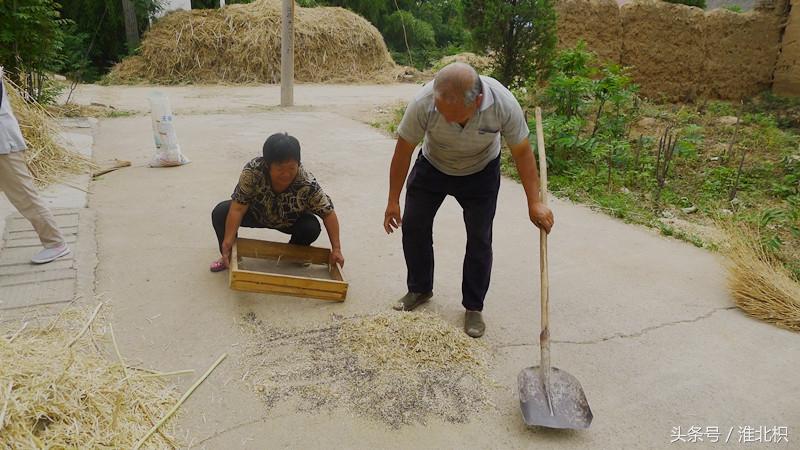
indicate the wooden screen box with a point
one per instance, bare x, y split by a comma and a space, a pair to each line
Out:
327, 285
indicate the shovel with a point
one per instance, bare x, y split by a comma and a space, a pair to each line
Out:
548, 396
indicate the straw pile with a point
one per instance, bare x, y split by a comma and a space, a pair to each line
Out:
48, 161
53, 395
482, 64
761, 286
406, 342
241, 44
398, 369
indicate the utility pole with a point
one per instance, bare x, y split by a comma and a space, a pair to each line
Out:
287, 53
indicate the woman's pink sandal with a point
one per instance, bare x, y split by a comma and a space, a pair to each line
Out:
217, 266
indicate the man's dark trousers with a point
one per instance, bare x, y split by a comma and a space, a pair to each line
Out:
426, 189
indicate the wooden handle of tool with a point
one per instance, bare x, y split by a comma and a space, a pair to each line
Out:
544, 337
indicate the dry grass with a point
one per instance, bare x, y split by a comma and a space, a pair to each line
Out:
53, 395
241, 44
397, 369
48, 160
761, 286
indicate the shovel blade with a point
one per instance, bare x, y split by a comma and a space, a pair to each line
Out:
570, 409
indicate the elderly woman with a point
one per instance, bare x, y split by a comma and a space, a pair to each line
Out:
275, 191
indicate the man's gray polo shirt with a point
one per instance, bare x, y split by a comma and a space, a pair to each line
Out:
463, 151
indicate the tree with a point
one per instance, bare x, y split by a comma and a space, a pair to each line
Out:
30, 40
520, 33
102, 24
403, 28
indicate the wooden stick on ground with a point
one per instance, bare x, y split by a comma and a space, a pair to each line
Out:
180, 402
118, 164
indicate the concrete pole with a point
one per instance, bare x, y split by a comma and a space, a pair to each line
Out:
287, 53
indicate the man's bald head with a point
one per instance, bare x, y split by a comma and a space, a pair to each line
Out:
457, 82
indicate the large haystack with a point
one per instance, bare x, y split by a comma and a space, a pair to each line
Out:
596, 22
664, 44
741, 51
48, 160
242, 44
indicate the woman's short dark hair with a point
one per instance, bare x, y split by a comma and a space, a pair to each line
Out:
280, 147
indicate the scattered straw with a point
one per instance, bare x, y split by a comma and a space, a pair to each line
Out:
761, 286
58, 396
241, 44
407, 342
398, 368
48, 161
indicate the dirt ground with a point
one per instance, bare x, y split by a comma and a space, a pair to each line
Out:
644, 322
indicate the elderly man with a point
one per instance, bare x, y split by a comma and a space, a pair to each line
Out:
460, 118
17, 183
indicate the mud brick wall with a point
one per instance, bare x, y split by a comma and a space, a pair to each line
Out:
680, 53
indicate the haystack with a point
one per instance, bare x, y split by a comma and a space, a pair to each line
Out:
760, 285
58, 391
482, 64
48, 160
242, 44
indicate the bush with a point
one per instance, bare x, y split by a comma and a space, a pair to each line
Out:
30, 41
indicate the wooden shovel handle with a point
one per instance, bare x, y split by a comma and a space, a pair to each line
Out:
544, 337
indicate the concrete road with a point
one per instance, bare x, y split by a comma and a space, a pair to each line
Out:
644, 322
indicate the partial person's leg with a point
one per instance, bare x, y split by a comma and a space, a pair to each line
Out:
305, 231
424, 195
220, 215
477, 195
17, 183
218, 218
